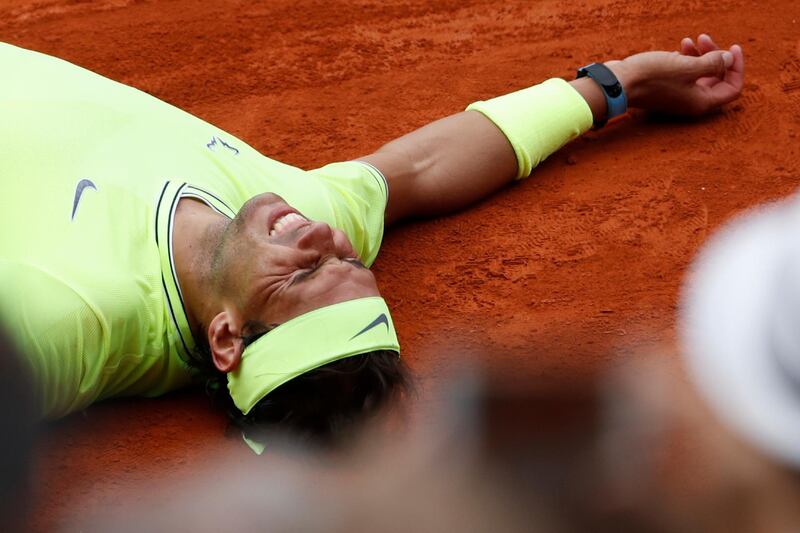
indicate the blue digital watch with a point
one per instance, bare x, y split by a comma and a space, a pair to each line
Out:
616, 102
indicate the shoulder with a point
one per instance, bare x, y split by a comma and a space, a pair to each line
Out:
358, 194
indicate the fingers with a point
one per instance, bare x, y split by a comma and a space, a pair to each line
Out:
688, 47
735, 73
717, 75
706, 44
730, 88
713, 64
708, 81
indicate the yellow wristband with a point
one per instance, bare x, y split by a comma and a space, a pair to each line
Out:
538, 120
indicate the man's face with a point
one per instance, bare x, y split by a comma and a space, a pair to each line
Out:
275, 264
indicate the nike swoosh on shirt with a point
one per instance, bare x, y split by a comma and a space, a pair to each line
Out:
79, 192
375, 323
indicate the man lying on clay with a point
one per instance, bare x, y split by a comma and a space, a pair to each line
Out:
143, 249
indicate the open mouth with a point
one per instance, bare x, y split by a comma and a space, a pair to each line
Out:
287, 222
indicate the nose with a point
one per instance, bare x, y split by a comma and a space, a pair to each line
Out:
319, 237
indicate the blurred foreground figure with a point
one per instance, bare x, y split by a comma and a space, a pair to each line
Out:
426, 479
498, 456
17, 416
635, 452
711, 442
713, 445
675, 464
741, 332
741, 325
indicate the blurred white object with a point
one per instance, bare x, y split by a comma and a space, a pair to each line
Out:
740, 327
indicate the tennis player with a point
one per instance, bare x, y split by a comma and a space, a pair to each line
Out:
142, 248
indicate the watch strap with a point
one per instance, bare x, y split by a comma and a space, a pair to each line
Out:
616, 101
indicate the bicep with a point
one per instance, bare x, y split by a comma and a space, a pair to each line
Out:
400, 172
357, 197
444, 166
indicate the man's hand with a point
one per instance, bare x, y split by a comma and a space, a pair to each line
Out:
697, 80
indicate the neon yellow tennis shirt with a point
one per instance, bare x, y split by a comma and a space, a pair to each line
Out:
91, 174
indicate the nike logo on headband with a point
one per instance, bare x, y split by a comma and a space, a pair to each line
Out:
375, 323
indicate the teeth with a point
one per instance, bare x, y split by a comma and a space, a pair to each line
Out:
284, 221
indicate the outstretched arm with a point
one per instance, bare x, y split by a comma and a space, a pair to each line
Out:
454, 162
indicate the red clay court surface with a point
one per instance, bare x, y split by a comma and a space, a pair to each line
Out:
558, 277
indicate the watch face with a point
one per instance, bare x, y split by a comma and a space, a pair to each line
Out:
613, 90
603, 76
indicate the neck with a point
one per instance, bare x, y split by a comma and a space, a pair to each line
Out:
197, 233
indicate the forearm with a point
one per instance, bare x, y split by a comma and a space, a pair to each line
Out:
454, 162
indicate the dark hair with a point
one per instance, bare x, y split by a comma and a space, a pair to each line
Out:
323, 406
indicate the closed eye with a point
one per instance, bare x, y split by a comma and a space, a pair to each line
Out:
306, 274
354, 261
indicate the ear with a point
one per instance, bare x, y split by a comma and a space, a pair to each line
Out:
225, 341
